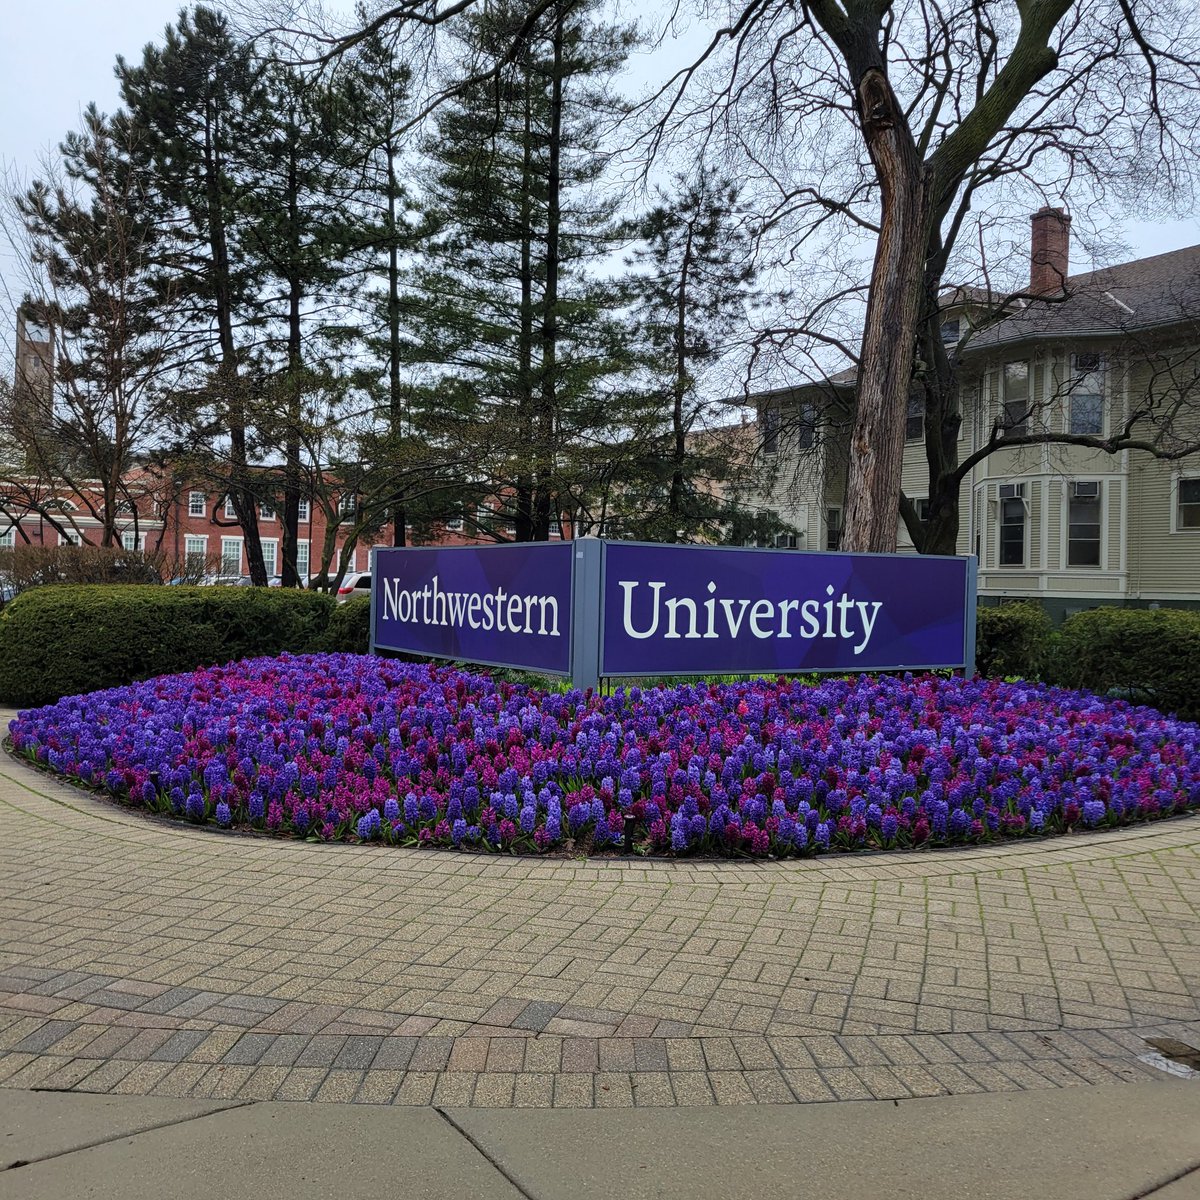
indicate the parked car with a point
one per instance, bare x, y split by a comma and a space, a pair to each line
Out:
354, 583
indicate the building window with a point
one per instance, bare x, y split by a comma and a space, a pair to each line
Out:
454, 524
950, 331
302, 513
231, 556
302, 561
806, 427
266, 512
556, 527
270, 549
8, 539
1187, 504
1087, 395
770, 427
197, 504
195, 551
914, 423
787, 541
833, 528
230, 511
70, 539
133, 541
1012, 524
922, 507
348, 507
1083, 525
1014, 420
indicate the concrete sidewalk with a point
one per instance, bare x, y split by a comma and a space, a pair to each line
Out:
1120, 1142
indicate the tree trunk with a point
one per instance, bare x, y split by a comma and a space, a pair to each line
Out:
523, 500
549, 332
241, 490
678, 426
886, 360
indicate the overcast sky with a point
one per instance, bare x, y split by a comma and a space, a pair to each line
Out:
57, 55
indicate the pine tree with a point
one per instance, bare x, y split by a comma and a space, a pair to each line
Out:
512, 314
197, 105
694, 282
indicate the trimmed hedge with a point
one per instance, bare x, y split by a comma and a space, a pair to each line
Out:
1149, 656
61, 640
1013, 639
350, 627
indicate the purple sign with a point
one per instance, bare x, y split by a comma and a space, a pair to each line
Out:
498, 605
689, 610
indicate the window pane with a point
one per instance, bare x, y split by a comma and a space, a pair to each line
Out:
1188, 515
1012, 533
302, 559
1016, 381
1083, 532
914, 425
1087, 414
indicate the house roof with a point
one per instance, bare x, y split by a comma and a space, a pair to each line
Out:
1148, 293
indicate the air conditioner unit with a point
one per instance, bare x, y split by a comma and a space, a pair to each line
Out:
1085, 491
1012, 491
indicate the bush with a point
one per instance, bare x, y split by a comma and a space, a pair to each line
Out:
23, 567
1152, 657
58, 641
350, 627
1013, 639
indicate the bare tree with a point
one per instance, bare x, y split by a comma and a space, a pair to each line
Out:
87, 420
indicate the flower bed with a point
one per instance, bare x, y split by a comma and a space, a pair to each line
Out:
355, 748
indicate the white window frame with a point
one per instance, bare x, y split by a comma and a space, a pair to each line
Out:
830, 526
197, 504
1069, 494
132, 541
191, 555
272, 563
1012, 492
8, 539
304, 509
1176, 482
1027, 401
1076, 376
266, 512
230, 511
303, 559
70, 538
454, 524
226, 557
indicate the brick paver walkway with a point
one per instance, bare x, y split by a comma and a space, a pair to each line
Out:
141, 957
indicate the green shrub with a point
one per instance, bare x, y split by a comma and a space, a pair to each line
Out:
1013, 639
1152, 657
350, 626
57, 641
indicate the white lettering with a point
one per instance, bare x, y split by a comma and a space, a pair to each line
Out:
673, 607
762, 610
868, 622
628, 586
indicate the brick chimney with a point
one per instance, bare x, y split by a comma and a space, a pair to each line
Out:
1050, 251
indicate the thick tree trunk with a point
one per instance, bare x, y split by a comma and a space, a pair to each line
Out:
886, 361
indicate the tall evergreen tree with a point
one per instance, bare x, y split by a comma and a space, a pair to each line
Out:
198, 105
511, 307
691, 291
